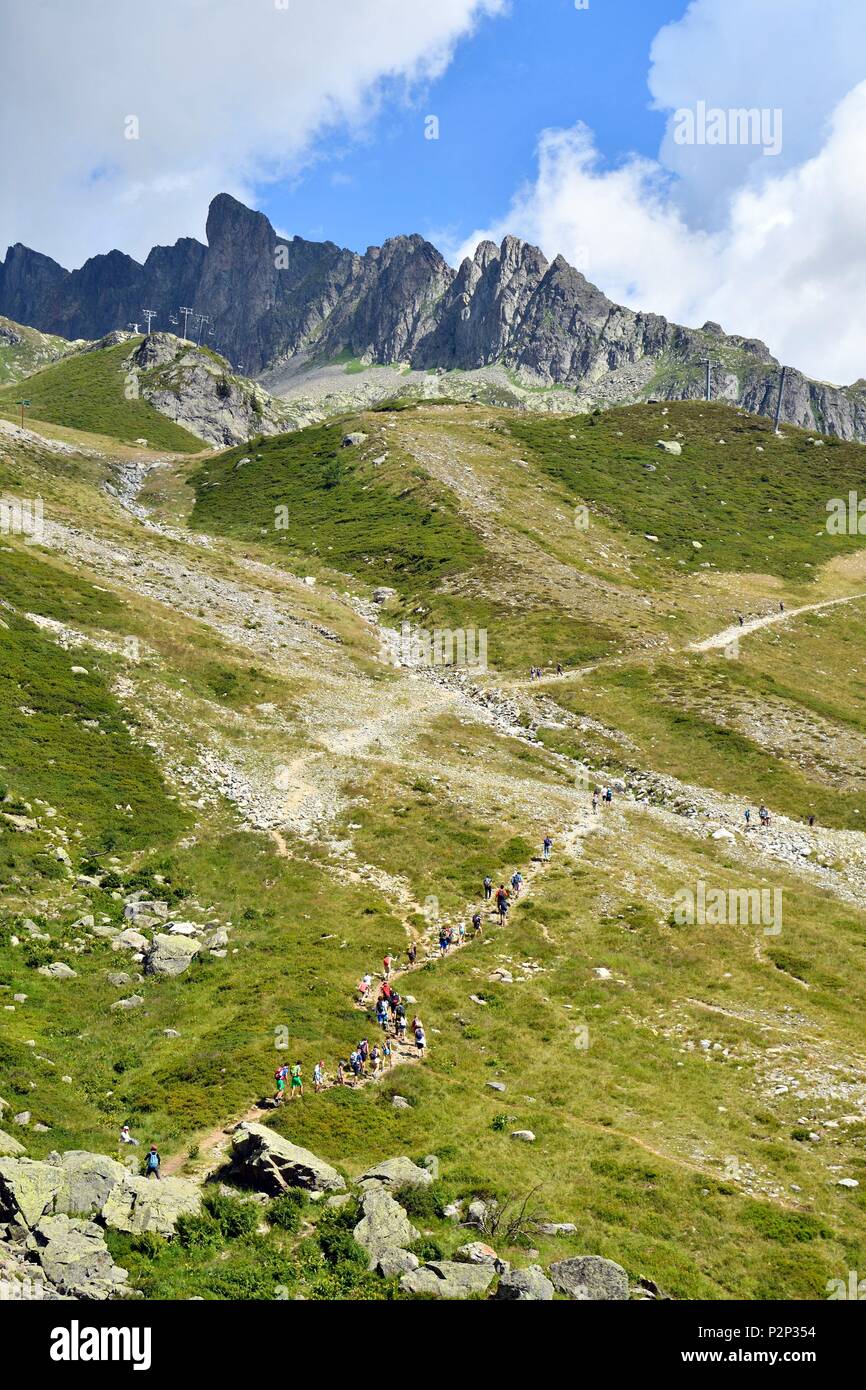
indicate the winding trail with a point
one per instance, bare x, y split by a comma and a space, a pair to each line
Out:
211, 1144
736, 631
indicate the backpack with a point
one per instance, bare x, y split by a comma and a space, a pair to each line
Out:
152, 1162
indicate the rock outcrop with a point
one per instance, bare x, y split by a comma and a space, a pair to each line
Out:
91, 1185
275, 302
589, 1277
270, 1163
75, 1259
385, 1230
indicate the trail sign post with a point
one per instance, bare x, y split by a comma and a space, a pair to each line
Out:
22, 404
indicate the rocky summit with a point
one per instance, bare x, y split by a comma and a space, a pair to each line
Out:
285, 307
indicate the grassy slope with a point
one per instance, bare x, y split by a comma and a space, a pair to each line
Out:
336, 510
632, 1144
749, 511
86, 392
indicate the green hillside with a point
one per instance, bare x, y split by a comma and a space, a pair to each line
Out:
235, 748
87, 392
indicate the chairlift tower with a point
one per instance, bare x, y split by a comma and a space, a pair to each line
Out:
187, 312
149, 315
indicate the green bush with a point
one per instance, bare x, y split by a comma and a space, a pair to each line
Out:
285, 1211
197, 1232
233, 1216
424, 1203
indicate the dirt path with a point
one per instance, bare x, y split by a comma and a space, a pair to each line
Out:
736, 631
212, 1144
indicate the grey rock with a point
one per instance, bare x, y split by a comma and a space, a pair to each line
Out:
496, 1085
118, 978
384, 1225
392, 1263
140, 1204
58, 970
589, 1277
75, 1258
9, 1146
526, 1136
396, 1173
271, 1163
525, 1286
134, 1001
170, 955
449, 1279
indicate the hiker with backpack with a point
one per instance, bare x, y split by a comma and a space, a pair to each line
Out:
546, 847
297, 1082
502, 903
488, 889
151, 1163
516, 882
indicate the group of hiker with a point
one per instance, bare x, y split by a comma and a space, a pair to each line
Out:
369, 1062
763, 816
536, 672
603, 795
741, 620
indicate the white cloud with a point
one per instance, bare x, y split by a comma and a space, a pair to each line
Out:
228, 94
771, 248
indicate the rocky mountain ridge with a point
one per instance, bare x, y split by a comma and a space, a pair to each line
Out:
274, 302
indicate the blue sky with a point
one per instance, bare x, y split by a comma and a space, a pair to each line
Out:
556, 124
544, 64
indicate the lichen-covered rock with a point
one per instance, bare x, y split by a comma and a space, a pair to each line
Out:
589, 1277
394, 1173
170, 955
9, 1146
384, 1226
75, 1258
271, 1163
141, 1204
449, 1279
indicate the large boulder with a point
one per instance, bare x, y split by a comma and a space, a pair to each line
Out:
28, 1190
271, 1163
384, 1226
170, 955
9, 1146
587, 1277
84, 1184
448, 1279
87, 1181
142, 1204
525, 1286
75, 1258
392, 1263
394, 1173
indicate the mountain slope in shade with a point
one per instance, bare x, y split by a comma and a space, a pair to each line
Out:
284, 305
